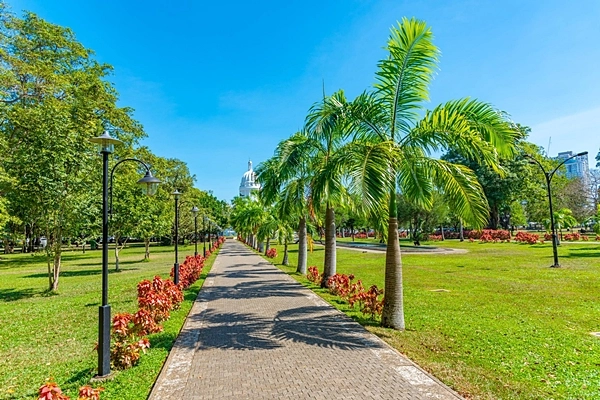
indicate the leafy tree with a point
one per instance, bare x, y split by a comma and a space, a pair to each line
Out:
54, 97
395, 135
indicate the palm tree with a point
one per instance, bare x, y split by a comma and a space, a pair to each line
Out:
395, 135
325, 137
285, 179
563, 219
246, 218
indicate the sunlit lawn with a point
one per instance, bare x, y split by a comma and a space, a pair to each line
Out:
44, 336
497, 322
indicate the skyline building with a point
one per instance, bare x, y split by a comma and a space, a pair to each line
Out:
577, 167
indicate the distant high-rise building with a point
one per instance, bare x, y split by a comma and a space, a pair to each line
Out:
249, 184
577, 167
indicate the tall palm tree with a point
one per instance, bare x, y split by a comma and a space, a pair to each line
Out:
246, 218
395, 135
285, 179
325, 138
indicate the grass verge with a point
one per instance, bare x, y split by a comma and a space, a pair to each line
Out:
494, 323
43, 336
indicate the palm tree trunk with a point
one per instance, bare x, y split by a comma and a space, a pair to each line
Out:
393, 307
302, 253
462, 236
285, 253
330, 261
268, 246
442, 229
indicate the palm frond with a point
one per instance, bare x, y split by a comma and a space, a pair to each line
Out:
403, 78
461, 189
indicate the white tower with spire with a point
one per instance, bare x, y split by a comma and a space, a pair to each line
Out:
248, 184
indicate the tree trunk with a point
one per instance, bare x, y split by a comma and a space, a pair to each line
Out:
330, 261
393, 309
56, 272
442, 229
302, 253
147, 249
462, 236
260, 247
268, 246
285, 252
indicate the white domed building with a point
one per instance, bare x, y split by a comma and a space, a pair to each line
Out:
248, 184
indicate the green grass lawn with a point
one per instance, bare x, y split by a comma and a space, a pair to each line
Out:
503, 326
44, 336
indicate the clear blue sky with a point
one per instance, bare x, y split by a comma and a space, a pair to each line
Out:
216, 83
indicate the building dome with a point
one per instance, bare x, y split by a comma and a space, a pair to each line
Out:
248, 184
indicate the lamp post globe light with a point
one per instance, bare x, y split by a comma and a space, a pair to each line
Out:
195, 214
149, 185
549, 175
176, 195
204, 235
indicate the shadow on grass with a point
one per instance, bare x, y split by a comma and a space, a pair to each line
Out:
7, 295
162, 340
66, 274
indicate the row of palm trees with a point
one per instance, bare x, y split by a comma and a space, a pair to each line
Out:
361, 153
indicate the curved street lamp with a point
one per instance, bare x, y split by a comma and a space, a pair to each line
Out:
548, 176
176, 195
106, 145
195, 214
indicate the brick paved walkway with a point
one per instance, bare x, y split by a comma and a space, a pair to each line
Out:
255, 333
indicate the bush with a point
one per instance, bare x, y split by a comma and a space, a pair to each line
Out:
159, 297
435, 238
189, 271
368, 301
524, 237
314, 275
127, 342
341, 285
572, 237
51, 391
271, 253
493, 233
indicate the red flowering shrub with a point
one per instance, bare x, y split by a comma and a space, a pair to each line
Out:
435, 238
126, 341
486, 238
368, 301
51, 391
597, 238
524, 237
571, 237
494, 233
585, 238
341, 285
403, 235
314, 275
547, 236
189, 271
272, 253
89, 393
159, 297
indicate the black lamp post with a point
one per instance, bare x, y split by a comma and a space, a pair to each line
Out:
150, 183
204, 235
195, 214
548, 176
176, 195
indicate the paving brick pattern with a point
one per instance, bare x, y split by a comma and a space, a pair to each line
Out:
255, 333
